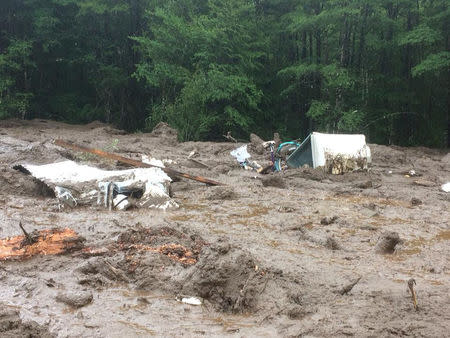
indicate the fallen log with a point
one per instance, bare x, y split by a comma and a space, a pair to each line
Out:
135, 163
45, 242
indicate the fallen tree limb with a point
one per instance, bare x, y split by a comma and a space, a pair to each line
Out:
135, 163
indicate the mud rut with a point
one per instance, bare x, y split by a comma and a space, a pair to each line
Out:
292, 255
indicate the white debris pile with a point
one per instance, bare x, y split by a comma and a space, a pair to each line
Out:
446, 187
242, 156
77, 184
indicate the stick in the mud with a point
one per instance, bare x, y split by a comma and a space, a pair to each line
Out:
135, 163
411, 284
346, 289
229, 137
28, 238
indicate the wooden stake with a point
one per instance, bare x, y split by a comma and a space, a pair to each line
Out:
28, 238
411, 284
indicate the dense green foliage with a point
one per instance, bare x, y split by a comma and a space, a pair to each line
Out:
379, 67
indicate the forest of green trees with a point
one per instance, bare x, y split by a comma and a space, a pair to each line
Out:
378, 67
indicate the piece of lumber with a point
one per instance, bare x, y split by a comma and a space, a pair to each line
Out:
135, 163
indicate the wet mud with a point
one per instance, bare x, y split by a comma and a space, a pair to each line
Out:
297, 253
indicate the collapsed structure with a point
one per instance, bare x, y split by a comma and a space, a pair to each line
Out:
77, 184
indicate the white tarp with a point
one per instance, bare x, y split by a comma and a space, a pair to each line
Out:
338, 144
240, 154
90, 182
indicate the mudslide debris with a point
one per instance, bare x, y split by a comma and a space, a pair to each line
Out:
134, 163
75, 184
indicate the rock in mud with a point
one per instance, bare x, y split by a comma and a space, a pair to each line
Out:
296, 312
365, 185
12, 326
387, 242
332, 244
75, 299
222, 168
328, 220
220, 193
273, 181
415, 201
256, 144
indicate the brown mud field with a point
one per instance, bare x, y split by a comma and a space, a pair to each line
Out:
292, 254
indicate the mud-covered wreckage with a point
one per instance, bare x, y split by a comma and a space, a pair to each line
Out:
336, 153
147, 186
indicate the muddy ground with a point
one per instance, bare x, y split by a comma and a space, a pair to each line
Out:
273, 255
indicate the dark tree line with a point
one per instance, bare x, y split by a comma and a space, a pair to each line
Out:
379, 67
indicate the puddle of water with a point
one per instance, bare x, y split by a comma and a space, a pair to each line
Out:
443, 236
138, 327
400, 281
436, 282
360, 200
273, 243
380, 221
412, 247
348, 232
180, 218
256, 210
218, 231
193, 206
129, 293
295, 251
232, 322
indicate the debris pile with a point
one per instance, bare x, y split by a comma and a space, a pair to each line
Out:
77, 184
242, 156
165, 240
337, 164
336, 153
